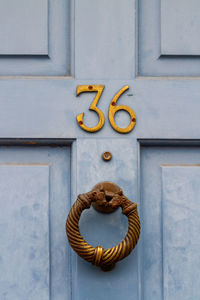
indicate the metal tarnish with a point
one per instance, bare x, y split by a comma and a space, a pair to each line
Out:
102, 193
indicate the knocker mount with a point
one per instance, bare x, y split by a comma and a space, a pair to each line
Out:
106, 203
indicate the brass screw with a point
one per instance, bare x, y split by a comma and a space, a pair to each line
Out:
107, 156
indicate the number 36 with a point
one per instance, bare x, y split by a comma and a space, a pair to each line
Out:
113, 108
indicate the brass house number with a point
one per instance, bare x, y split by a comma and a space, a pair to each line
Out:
113, 108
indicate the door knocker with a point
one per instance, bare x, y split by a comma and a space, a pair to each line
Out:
105, 197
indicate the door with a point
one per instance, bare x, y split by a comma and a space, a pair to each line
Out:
49, 48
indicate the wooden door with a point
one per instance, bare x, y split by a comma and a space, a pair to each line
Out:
47, 49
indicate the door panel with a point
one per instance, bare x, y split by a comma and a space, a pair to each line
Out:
24, 231
24, 29
35, 38
179, 27
181, 225
34, 198
169, 246
168, 38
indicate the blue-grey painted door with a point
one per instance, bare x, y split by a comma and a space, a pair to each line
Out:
47, 49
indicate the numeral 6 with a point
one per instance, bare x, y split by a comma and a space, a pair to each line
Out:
113, 108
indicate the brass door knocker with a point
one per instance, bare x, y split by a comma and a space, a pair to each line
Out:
105, 197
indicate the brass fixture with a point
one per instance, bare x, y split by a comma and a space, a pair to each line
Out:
107, 156
105, 197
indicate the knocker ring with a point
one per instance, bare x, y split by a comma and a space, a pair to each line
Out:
105, 197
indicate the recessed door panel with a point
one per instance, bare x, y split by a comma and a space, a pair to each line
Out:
170, 206
34, 198
168, 38
181, 226
35, 38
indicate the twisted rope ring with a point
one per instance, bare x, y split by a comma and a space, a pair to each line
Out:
105, 258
